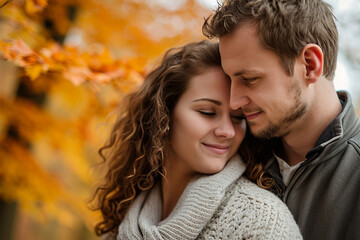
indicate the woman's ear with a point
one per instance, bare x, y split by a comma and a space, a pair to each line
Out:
312, 57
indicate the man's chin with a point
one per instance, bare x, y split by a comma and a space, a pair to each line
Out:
266, 132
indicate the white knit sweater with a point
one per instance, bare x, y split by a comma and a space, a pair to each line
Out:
221, 206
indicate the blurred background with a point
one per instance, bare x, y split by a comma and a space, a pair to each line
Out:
65, 65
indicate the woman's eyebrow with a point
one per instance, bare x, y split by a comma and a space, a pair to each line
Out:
209, 100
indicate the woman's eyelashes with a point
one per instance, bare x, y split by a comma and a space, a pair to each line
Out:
207, 113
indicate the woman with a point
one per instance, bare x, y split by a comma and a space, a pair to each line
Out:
173, 171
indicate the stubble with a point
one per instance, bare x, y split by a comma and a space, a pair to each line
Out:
283, 126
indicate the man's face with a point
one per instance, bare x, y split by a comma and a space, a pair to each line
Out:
271, 100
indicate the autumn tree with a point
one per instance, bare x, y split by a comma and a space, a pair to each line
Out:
65, 66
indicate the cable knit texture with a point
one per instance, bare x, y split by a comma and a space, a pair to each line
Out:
221, 206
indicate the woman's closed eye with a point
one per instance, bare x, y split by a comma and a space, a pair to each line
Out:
207, 113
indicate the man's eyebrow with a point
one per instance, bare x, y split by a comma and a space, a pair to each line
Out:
238, 73
208, 100
241, 72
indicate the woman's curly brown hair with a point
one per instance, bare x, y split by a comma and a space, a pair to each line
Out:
138, 142
254, 152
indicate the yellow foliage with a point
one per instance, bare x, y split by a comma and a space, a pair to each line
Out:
82, 56
22, 178
34, 71
19, 53
34, 6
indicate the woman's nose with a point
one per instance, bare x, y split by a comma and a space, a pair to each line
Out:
225, 128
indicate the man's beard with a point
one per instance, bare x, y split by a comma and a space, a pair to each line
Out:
281, 128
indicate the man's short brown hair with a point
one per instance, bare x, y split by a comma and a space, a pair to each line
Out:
283, 26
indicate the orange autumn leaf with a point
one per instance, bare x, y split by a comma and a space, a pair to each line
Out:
34, 6
75, 66
34, 71
108, 76
19, 53
77, 75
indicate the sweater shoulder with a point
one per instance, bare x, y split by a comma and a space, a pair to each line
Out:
108, 236
249, 191
250, 198
249, 212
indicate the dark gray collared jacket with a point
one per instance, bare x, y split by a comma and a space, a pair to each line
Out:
324, 192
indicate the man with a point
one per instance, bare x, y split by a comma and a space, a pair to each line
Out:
281, 57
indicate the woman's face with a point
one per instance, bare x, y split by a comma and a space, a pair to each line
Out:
205, 132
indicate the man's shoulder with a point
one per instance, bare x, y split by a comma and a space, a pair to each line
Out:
356, 138
355, 142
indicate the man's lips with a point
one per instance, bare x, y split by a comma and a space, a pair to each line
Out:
252, 116
218, 149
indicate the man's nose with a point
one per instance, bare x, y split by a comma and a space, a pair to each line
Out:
238, 97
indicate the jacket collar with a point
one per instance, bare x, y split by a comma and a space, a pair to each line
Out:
343, 127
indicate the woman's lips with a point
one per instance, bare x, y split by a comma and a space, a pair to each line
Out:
218, 149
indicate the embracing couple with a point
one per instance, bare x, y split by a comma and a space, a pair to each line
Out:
245, 138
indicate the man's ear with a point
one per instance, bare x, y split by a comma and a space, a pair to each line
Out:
312, 57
